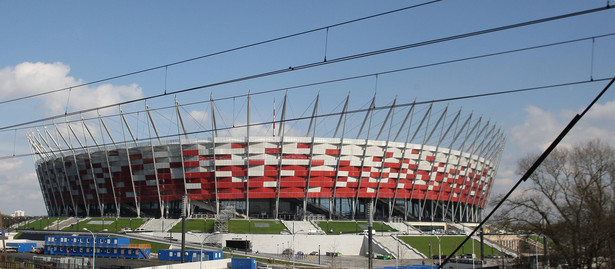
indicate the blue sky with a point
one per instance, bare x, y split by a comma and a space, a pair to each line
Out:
51, 45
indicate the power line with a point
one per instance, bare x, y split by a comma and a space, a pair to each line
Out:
317, 83
339, 113
221, 52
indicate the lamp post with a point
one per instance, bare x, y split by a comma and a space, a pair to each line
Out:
93, 247
536, 244
439, 251
202, 243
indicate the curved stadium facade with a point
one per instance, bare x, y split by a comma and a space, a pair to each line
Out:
271, 177
284, 177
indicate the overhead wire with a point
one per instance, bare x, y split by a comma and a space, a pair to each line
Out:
360, 110
323, 82
166, 66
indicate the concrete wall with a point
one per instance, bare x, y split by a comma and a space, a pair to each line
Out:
215, 264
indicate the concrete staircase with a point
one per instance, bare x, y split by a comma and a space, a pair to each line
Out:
64, 223
403, 228
159, 225
397, 248
300, 227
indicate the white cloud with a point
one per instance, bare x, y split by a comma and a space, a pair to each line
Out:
33, 78
541, 127
199, 115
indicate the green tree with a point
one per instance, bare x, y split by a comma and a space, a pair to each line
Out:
570, 200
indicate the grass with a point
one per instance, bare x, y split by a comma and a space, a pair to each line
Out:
41, 223
201, 225
337, 227
256, 226
155, 246
109, 224
428, 245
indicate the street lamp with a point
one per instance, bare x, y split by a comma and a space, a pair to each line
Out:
93, 247
202, 243
439, 251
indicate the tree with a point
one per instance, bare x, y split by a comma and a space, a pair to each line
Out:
570, 200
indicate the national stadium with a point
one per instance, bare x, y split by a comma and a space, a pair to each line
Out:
424, 166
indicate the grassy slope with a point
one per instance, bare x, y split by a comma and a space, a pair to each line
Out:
448, 244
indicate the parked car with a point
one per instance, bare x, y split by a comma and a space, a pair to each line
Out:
313, 253
37, 250
288, 251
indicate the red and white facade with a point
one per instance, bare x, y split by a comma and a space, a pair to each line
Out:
270, 168
279, 176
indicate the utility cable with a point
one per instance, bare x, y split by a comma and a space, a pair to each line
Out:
531, 170
361, 110
221, 52
310, 84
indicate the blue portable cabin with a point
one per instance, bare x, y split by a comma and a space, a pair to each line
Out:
21, 247
111, 247
243, 263
189, 255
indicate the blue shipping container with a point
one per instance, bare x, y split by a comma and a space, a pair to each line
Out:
243, 263
21, 247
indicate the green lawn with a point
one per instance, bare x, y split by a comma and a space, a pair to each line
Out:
201, 225
256, 226
428, 245
351, 227
41, 223
96, 224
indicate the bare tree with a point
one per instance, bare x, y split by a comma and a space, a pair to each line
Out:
571, 202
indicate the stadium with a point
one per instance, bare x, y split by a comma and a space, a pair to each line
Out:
278, 176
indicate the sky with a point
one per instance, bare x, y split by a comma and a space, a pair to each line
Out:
48, 46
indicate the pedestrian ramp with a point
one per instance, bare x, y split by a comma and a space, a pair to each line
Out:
301, 227
397, 248
159, 225
403, 228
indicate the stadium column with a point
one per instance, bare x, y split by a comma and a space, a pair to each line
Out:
68, 187
180, 121
402, 164
151, 144
332, 201
493, 159
41, 177
367, 116
280, 156
462, 178
496, 159
247, 161
418, 160
432, 175
384, 152
61, 208
462, 206
89, 160
479, 166
85, 203
132, 180
307, 184
457, 166
115, 198
445, 170
44, 153
214, 128
102, 206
